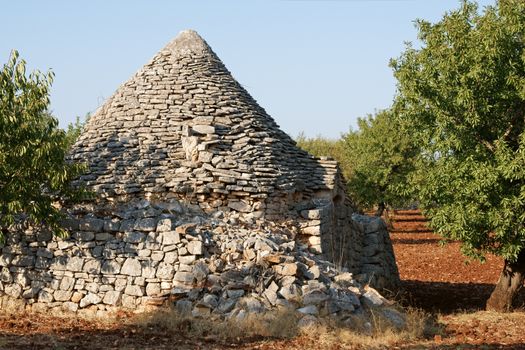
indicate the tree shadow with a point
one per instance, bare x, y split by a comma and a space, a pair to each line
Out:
415, 241
447, 298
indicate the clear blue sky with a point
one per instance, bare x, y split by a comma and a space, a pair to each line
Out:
314, 65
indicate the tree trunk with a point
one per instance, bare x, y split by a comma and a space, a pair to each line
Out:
509, 284
380, 209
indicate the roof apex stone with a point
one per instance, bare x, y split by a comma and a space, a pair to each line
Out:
188, 42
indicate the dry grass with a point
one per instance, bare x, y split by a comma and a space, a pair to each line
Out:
377, 333
373, 330
484, 316
277, 325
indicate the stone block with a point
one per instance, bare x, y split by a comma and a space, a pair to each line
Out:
131, 267
84, 236
153, 289
315, 214
110, 267
13, 290
164, 225
165, 271
185, 277
75, 264
91, 224
157, 255
240, 206
311, 231
62, 295
187, 259
45, 296
66, 284
204, 129
90, 299
146, 224
133, 290
171, 257
170, 237
134, 237
112, 225
195, 247
92, 266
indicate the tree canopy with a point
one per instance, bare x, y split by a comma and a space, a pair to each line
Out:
381, 158
462, 94
34, 175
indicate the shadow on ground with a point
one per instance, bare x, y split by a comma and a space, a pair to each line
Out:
447, 298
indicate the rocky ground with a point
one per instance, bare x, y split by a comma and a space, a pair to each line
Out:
435, 279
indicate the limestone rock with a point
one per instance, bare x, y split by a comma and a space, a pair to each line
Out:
90, 299
131, 267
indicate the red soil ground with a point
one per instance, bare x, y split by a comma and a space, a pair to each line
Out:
437, 279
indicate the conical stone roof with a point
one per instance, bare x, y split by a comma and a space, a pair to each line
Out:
183, 127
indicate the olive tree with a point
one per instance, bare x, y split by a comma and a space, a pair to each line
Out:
462, 94
34, 175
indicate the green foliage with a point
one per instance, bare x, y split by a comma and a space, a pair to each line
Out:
323, 147
463, 96
74, 130
376, 160
381, 157
34, 176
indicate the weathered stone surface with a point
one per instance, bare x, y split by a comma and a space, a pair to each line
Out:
132, 290
240, 206
67, 283
165, 271
314, 297
85, 236
291, 292
134, 237
110, 267
146, 224
309, 310
185, 277
165, 225
90, 299
195, 247
287, 269
131, 267
91, 224
62, 295
13, 290
75, 264
112, 298
92, 266
153, 289
204, 129
372, 298
170, 237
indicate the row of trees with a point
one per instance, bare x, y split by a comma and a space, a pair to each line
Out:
454, 138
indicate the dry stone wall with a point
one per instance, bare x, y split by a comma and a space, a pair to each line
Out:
144, 255
195, 182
